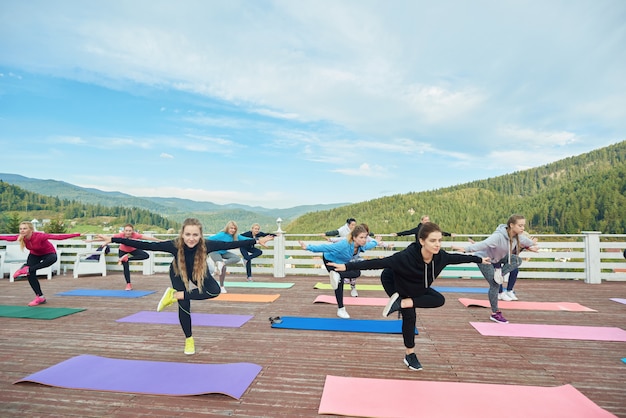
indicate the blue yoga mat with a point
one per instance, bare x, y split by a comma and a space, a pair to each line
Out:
107, 293
382, 326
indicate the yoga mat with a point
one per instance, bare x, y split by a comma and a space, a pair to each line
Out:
561, 332
259, 285
529, 306
147, 377
107, 293
38, 312
442, 289
327, 286
241, 297
619, 300
197, 319
624, 360
415, 398
350, 301
338, 324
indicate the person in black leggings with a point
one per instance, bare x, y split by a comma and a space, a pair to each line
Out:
190, 251
407, 276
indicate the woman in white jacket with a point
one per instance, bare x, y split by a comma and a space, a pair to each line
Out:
502, 247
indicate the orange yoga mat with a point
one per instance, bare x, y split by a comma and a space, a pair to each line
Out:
529, 306
415, 398
244, 297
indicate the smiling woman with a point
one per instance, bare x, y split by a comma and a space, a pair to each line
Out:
189, 265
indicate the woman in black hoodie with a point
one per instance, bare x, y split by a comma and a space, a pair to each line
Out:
407, 276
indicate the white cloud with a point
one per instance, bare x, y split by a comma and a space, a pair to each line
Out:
166, 155
364, 170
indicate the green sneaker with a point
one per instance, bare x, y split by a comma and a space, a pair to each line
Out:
167, 299
190, 347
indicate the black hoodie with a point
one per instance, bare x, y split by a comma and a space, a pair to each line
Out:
411, 275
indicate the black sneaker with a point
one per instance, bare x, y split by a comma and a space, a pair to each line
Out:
412, 362
393, 305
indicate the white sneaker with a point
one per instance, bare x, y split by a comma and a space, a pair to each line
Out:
504, 296
497, 276
334, 279
342, 313
219, 265
512, 295
354, 293
223, 289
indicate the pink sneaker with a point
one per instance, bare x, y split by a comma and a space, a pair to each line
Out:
21, 272
123, 259
129, 286
37, 301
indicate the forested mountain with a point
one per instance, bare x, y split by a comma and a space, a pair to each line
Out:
14, 199
213, 216
587, 192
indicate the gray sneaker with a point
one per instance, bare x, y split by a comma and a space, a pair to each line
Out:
393, 305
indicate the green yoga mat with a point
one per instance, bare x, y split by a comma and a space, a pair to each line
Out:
38, 312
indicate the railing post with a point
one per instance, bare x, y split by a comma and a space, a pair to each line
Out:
592, 257
279, 251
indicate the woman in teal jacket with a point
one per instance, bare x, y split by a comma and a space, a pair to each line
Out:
223, 258
341, 252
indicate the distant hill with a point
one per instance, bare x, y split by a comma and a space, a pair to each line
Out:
213, 216
582, 193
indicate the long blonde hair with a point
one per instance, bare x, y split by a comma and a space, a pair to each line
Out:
199, 263
21, 238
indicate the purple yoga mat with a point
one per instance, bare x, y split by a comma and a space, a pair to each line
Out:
197, 319
148, 377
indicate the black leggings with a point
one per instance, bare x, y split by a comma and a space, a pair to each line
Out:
210, 290
36, 262
430, 299
351, 274
135, 255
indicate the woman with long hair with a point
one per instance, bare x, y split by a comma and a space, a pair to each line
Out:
407, 276
502, 247
342, 251
41, 254
190, 251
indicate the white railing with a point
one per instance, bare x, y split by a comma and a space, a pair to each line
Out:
590, 256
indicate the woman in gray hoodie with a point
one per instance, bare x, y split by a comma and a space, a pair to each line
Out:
502, 247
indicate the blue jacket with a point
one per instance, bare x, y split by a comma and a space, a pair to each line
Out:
226, 237
341, 251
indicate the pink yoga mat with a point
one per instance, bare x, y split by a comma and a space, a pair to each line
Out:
562, 332
529, 306
414, 398
350, 301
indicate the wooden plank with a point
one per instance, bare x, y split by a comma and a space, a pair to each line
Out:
296, 362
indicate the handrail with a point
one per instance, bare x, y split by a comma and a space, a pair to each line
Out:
589, 256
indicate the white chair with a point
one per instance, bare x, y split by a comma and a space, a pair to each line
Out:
90, 262
13, 258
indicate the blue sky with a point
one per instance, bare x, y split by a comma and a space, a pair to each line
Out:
285, 103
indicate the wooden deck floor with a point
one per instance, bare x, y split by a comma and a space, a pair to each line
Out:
295, 363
